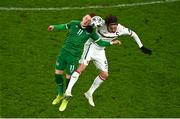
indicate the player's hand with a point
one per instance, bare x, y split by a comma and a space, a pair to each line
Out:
116, 42
50, 28
146, 50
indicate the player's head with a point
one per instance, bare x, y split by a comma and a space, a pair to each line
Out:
112, 23
87, 19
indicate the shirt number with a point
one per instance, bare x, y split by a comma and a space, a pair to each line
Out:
79, 32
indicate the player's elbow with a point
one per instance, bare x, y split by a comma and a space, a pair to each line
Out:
133, 34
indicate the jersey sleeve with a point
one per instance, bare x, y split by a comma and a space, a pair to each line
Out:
94, 35
59, 27
97, 39
64, 26
126, 31
69, 24
123, 30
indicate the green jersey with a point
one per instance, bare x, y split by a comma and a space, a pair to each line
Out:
77, 36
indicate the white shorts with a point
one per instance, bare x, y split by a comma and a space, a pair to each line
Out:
92, 52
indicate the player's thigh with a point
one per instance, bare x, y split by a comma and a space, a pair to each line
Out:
72, 64
100, 61
87, 54
61, 62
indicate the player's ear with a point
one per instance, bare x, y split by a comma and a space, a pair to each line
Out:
89, 29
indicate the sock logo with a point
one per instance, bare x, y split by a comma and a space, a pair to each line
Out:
74, 76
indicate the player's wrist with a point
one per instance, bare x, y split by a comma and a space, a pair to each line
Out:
146, 50
141, 47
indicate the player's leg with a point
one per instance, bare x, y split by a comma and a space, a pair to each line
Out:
74, 78
85, 58
101, 63
72, 63
71, 67
60, 86
68, 95
97, 82
67, 80
66, 99
59, 70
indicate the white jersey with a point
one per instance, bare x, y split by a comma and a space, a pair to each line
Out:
93, 51
104, 34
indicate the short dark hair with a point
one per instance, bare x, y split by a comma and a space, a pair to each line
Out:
111, 20
92, 14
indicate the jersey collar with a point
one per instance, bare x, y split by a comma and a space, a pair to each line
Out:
82, 26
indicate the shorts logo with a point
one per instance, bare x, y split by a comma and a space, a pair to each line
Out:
71, 68
57, 63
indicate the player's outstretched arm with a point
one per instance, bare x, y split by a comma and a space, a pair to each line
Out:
57, 27
141, 46
138, 41
103, 43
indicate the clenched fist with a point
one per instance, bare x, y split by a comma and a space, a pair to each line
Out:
50, 28
116, 42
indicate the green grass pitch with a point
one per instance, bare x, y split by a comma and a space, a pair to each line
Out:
138, 86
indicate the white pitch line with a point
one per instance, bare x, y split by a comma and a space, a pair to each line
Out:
88, 7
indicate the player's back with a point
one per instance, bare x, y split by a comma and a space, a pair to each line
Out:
76, 38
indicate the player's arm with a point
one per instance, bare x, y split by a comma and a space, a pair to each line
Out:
132, 34
138, 41
60, 26
57, 27
100, 42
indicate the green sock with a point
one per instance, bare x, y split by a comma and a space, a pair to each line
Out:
60, 84
67, 82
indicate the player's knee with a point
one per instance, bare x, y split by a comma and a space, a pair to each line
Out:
81, 68
68, 76
104, 75
59, 71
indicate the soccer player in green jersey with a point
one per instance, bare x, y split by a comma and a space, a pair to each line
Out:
79, 33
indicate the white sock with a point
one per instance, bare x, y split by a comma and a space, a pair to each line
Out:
97, 82
74, 78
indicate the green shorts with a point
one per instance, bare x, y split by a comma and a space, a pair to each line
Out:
67, 61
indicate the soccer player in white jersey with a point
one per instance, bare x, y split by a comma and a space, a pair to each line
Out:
109, 31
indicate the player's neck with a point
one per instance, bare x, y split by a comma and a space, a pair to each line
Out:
82, 25
110, 30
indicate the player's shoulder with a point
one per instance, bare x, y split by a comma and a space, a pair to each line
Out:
75, 22
72, 23
121, 27
92, 30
